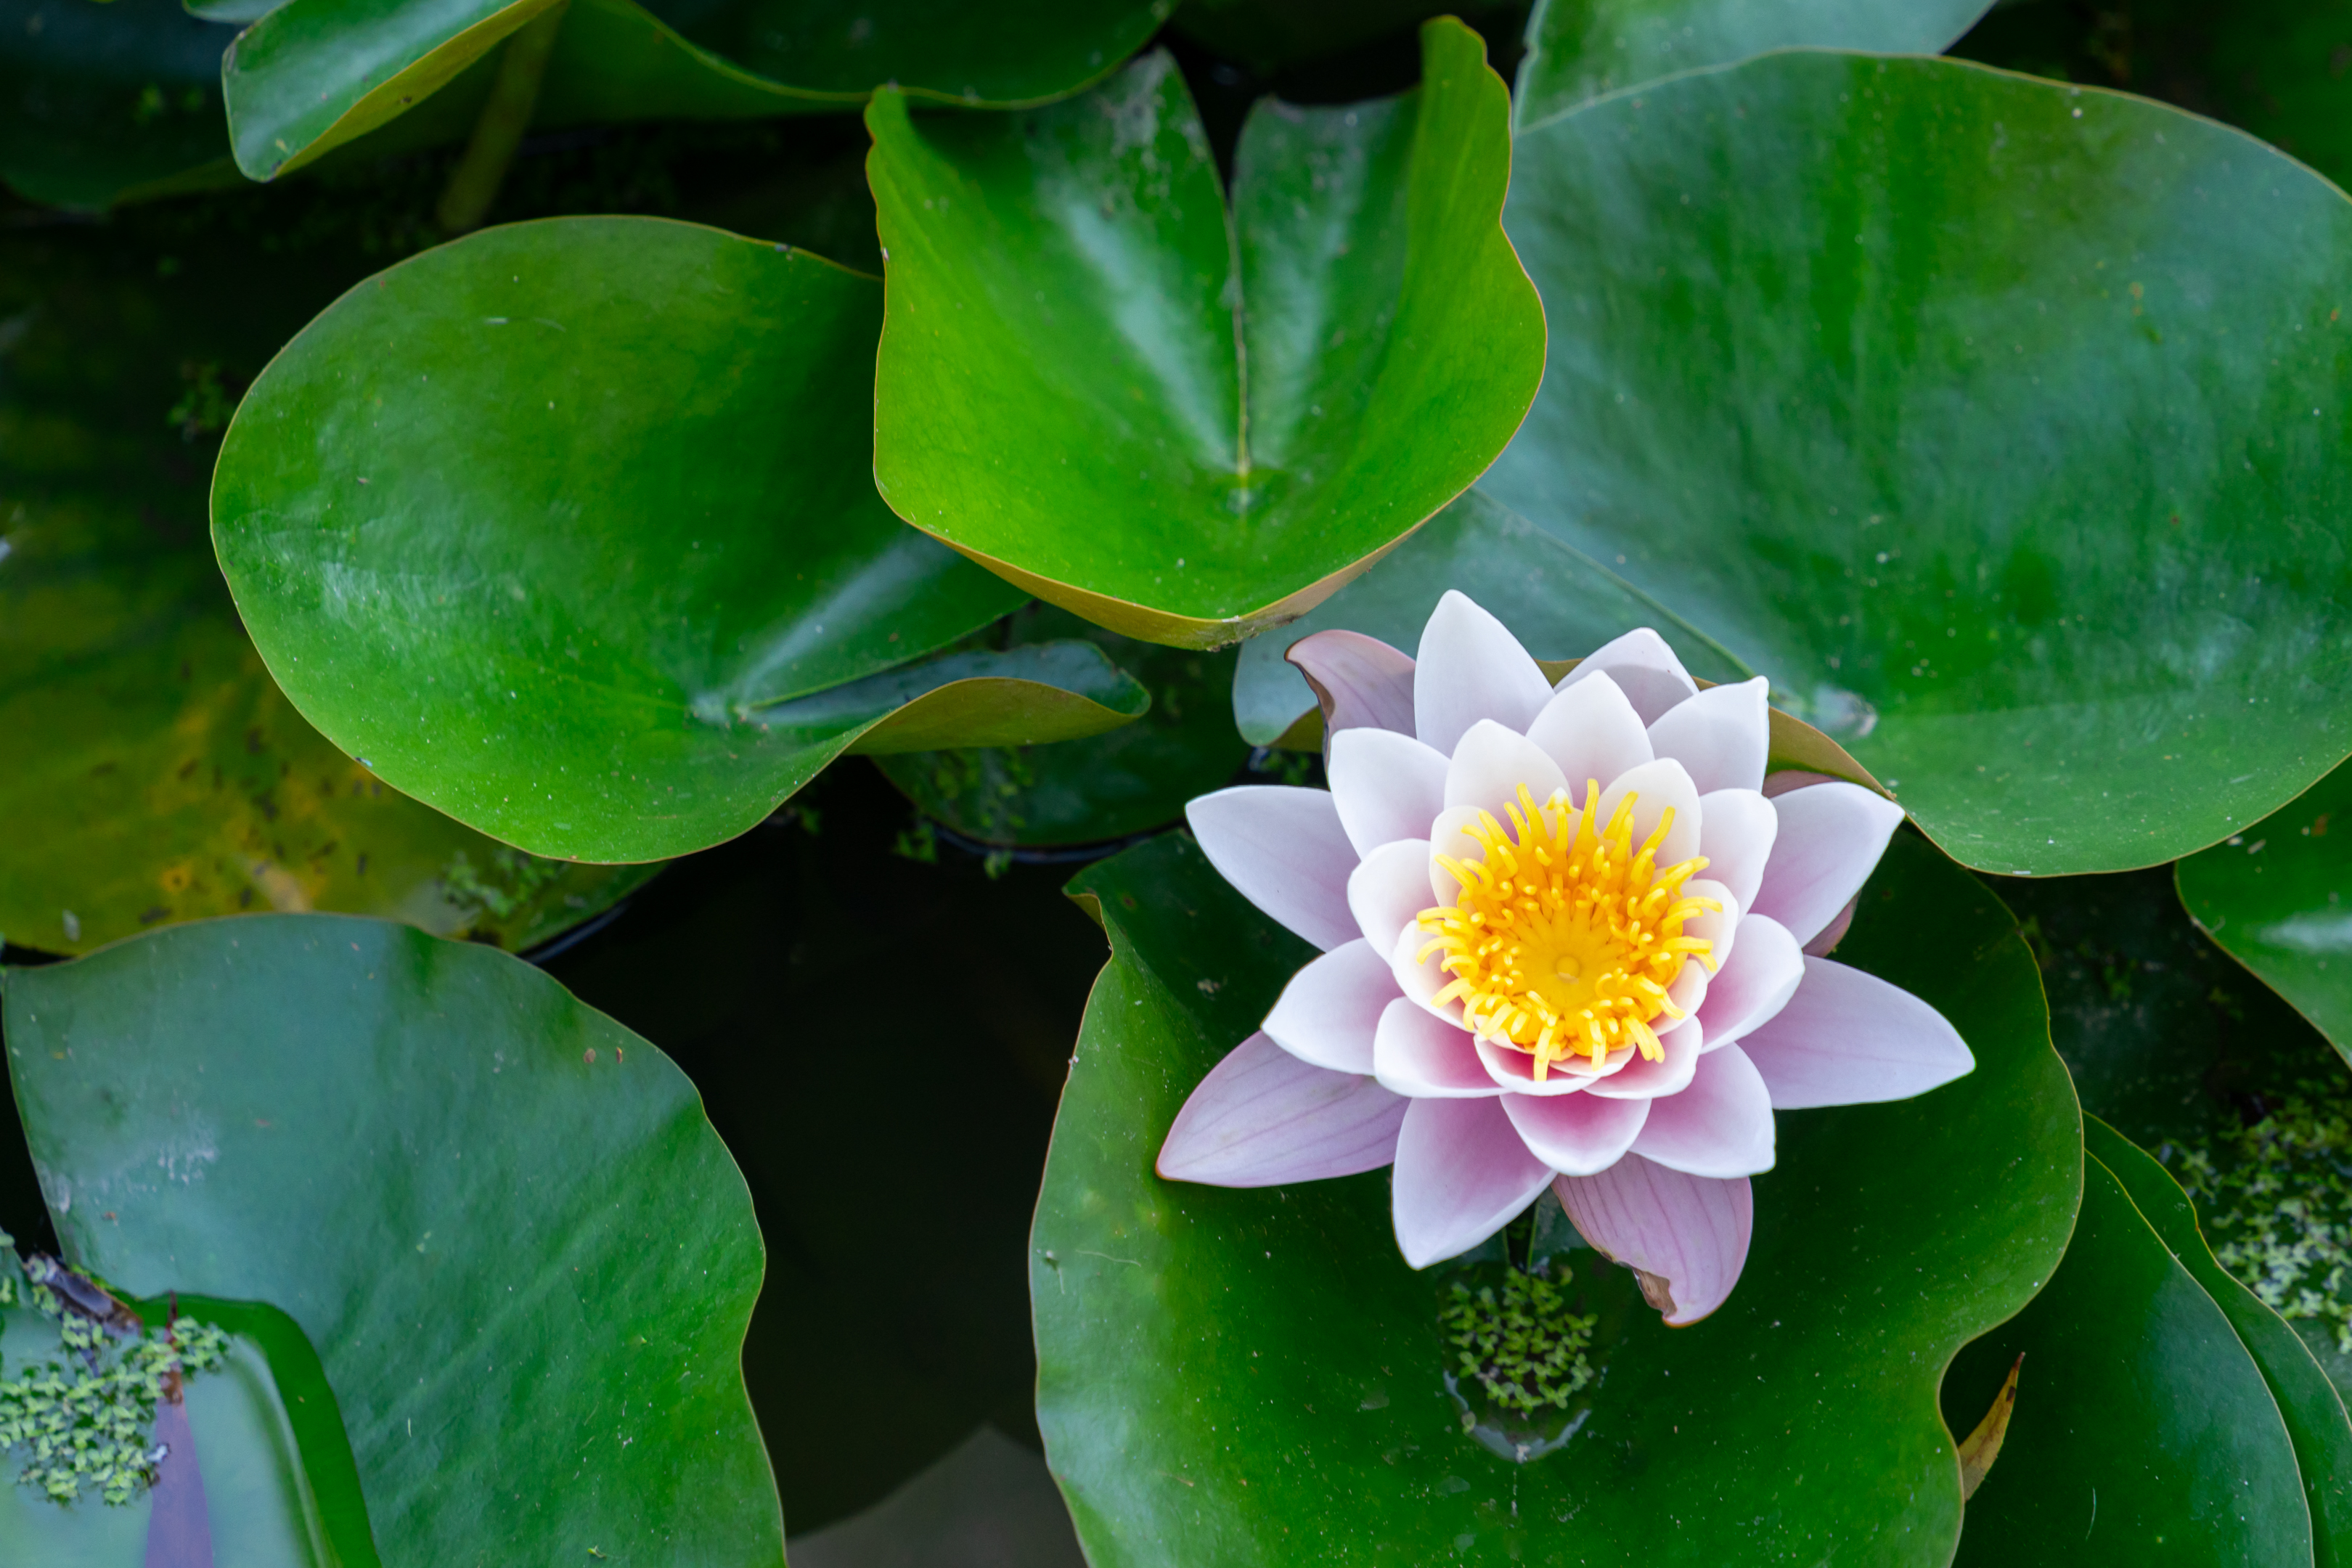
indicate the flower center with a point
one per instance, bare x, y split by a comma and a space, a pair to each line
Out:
1565, 935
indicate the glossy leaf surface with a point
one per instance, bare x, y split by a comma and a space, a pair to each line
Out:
1580, 50
1282, 1366
1988, 417
97, 104
1133, 779
523, 1256
153, 769
2272, 897
1556, 600
1071, 308
2136, 1389
567, 529
2308, 1404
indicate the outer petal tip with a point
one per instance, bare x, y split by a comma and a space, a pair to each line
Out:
1686, 1236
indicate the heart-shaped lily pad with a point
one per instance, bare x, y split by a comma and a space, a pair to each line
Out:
568, 529
1984, 415
1256, 1376
1578, 50
2272, 897
2143, 1431
153, 770
524, 1256
1183, 423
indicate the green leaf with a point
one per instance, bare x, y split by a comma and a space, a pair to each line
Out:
1560, 602
1578, 50
525, 1258
2271, 897
1275, 1337
154, 770
2307, 1402
103, 104
311, 75
1071, 307
1984, 415
2143, 1431
567, 529
1087, 792
276, 1467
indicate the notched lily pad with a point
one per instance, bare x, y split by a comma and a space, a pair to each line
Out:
1071, 307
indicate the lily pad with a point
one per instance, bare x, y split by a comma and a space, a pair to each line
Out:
1282, 1369
1071, 307
155, 770
2143, 1431
2272, 897
1133, 779
567, 529
524, 1256
99, 104
1985, 415
1578, 50
2308, 1404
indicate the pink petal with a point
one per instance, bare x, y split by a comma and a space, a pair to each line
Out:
1462, 1174
1263, 1118
1472, 667
1327, 1012
1285, 852
1361, 681
1577, 1134
1490, 764
1389, 890
1754, 983
1387, 786
1687, 1235
1851, 1039
1515, 1071
1644, 668
1736, 830
1426, 1057
1831, 837
1641, 1078
1655, 787
1719, 736
1825, 943
1720, 1126
1591, 731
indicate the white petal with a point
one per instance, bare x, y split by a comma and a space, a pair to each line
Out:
1450, 835
1387, 786
1422, 980
1825, 941
1655, 787
1645, 667
1263, 1118
1720, 736
1389, 890
1361, 681
1591, 731
1687, 1235
1718, 928
1579, 1134
1851, 1039
1831, 837
1472, 667
1644, 1079
1515, 1071
1425, 1057
1737, 827
1720, 1126
1462, 1174
1327, 1012
1754, 983
1489, 766
1284, 851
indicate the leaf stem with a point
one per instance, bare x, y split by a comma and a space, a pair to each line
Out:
497, 131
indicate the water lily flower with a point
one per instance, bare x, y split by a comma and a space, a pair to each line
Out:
1572, 936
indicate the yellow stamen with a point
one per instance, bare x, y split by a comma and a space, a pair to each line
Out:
1565, 937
